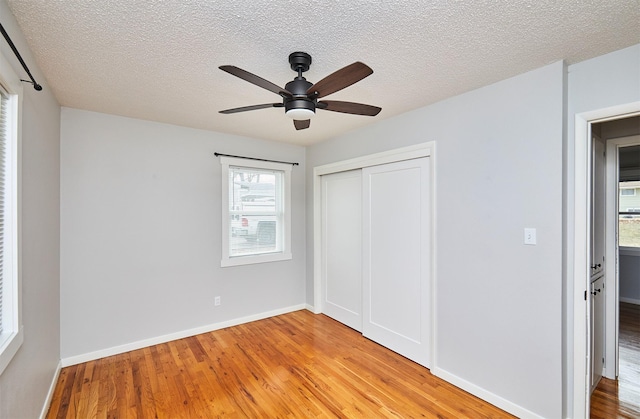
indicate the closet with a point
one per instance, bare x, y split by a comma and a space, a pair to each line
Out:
376, 253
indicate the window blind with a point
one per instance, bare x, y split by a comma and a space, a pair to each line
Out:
4, 100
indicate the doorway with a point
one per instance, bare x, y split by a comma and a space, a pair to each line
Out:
579, 249
622, 241
622, 280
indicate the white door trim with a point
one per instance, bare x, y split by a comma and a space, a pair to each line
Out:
405, 153
579, 260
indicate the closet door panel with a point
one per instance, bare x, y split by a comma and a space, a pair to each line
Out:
342, 247
396, 257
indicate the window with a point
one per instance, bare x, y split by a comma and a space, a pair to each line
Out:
629, 215
256, 211
627, 192
11, 334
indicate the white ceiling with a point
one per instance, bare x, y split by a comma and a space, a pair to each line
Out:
158, 59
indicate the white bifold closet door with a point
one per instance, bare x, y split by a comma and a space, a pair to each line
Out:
342, 247
396, 257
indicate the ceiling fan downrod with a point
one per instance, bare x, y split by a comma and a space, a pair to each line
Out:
300, 106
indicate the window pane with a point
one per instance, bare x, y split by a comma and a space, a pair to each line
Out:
629, 230
255, 211
253, 234
629, 220
4, 138
11, 335
253, 190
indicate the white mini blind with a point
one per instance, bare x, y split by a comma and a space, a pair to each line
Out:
4, 104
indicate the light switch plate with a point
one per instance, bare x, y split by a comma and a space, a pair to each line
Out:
530, 236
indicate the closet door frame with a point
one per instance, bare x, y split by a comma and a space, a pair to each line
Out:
405, 153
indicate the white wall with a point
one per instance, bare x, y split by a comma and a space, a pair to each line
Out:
141, 226
498, 170
25, 383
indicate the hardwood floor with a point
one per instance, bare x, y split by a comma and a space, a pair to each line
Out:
621, 398
297, 365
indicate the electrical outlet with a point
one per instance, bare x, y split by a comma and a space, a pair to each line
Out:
216, 301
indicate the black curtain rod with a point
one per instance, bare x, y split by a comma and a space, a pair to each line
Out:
254, 158
24, 65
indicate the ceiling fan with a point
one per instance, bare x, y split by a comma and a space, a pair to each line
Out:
300, 97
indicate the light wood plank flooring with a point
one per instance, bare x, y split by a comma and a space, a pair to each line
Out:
298, 365
621, 398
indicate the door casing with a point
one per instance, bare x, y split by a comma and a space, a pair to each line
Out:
578, 247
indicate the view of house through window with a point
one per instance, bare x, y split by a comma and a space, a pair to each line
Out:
256, 210
629, 214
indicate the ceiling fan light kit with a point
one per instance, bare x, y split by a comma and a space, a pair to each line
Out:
300, 97
300, 113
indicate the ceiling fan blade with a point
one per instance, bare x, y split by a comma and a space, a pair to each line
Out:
340, 79
252, 108
349, 107
252, 78
301, 124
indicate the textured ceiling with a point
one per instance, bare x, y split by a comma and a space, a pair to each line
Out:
158, 59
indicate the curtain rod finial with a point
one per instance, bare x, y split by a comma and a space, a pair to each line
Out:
35, 85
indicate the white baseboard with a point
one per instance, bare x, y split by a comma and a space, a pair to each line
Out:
91, 356
310, 308
52, 388
630, 300
480, 392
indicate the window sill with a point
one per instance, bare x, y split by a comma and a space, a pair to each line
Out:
9, 347
251, 259
629, 251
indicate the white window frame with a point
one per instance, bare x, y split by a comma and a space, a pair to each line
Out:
285, 235
12, 335
633, 192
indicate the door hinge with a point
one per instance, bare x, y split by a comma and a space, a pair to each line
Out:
585, 295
